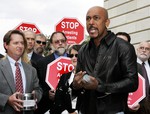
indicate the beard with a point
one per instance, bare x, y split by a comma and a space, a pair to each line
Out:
60, 51
39, 50
143, 57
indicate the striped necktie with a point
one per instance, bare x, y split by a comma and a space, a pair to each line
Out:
18, 78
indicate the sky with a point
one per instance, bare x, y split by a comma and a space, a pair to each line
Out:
45, 14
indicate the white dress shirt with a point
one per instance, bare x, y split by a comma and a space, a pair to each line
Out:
13, 67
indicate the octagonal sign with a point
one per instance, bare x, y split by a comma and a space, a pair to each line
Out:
55, 70
28, 26
73, 30
139, 94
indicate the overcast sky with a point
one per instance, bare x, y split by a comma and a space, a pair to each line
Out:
44, 13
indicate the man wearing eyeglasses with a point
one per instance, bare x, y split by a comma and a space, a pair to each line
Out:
40, 44
143, 54
33, 57
58, 42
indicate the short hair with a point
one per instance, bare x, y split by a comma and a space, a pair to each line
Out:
51, 38
7, 37
124, 34
41, 35
75, 47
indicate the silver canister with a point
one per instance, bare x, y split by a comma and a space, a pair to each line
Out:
28, 101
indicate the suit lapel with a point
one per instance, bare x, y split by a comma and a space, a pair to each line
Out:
7, 70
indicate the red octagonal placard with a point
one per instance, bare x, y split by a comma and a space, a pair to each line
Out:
139, 94
73, 30
56, 68
28, 26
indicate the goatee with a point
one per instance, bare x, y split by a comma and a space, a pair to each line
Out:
60, 51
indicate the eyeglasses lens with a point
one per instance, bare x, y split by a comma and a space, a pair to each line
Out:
39, 42
58, 41
72, 55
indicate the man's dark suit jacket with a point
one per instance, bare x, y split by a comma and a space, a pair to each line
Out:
45, 103
62, 96
35, 58
145, 103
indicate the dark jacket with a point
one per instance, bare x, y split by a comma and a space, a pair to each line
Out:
45, 104
145, 103
62, 97
34, 59
114, 65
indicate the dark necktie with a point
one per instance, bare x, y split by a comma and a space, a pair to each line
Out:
18, 78
146, 78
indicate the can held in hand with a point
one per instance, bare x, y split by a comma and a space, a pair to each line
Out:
28, 101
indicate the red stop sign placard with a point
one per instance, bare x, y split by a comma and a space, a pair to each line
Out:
73, 30
28, 26
139, 94
56, 68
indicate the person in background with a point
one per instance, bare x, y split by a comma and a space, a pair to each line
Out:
106, 68
40, 44
15, 45
143, 53
33, 57
58, 44
125, 36
64, 98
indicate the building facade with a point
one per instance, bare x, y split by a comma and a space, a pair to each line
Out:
131, 16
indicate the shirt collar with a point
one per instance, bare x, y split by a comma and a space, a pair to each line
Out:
140, 62
30, 55
12, 61
57, 56
108, 39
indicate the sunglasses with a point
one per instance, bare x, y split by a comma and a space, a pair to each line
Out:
58, 41
72, 55
39, 42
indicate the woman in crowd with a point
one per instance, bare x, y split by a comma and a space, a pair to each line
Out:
65, 100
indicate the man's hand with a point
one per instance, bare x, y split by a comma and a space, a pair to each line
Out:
77, 81
135, 107
15, 102
80, 82
91, 84
51, 94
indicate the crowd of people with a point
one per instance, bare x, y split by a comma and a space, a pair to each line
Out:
105, 71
